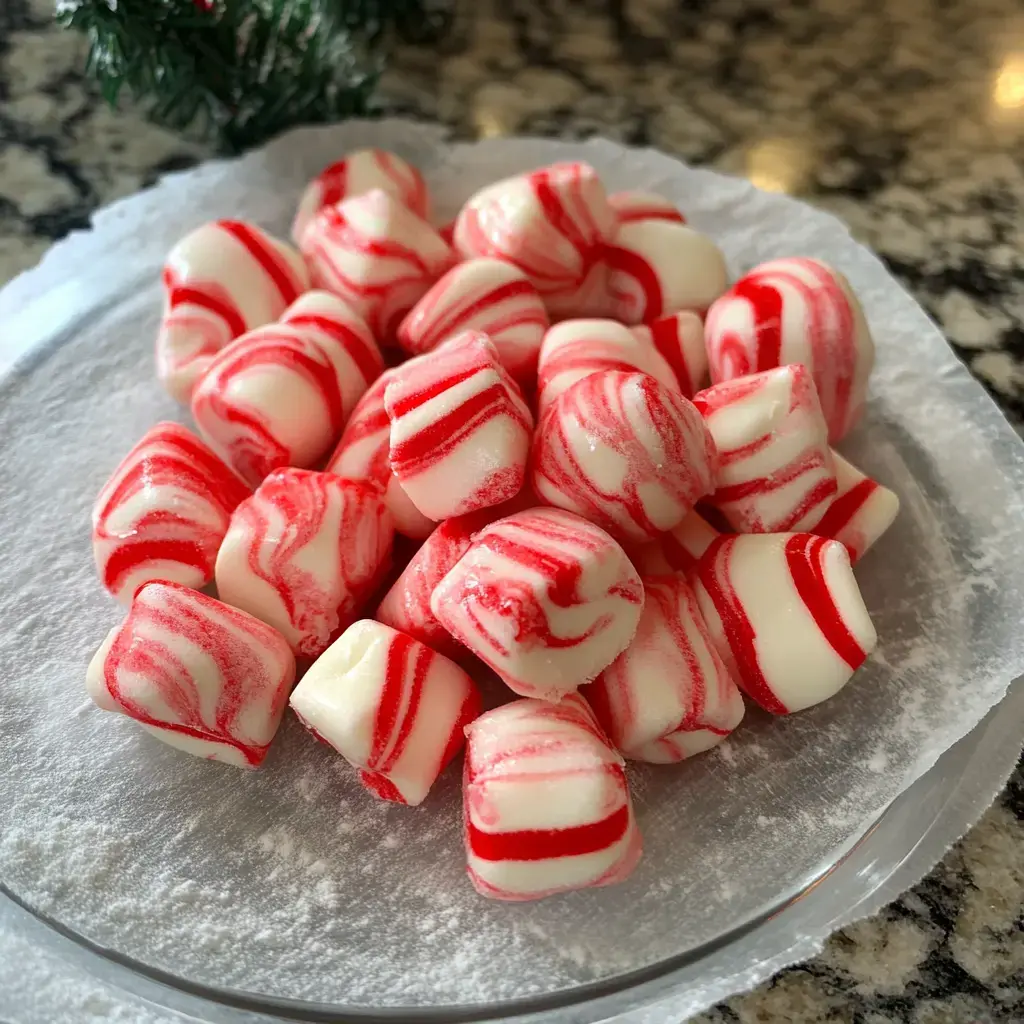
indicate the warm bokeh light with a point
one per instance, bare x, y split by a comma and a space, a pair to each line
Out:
780, 164
1008, 91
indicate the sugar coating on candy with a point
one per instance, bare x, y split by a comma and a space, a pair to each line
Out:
163, 513
668, 695
574, 349
678, 550
553, 224
625, 452
200, 676
546, 804
389, 705
460, 430
358, 173
377, 255
776, 472
544, 598
657, 267
796, 310
679, 339
223, 279
304, 553
632, 206
363, 454
786, 616
861, 511
487, 295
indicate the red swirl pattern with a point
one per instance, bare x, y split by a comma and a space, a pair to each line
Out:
633, 206
199, 675
679, 339
546, 803
163, 513
625, 452
304, 553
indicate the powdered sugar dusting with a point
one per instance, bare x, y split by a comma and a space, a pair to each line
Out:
292, 881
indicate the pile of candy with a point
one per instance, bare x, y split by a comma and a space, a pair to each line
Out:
627, 552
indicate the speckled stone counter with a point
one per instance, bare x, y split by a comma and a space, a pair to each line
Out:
904, 117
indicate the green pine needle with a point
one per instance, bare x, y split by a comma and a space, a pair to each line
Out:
244, 70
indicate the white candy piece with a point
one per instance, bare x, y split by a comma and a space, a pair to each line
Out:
657, 267
786, 615
775, 471
574, 349
220, 281
460, 430
668, 695
544, 598
358, 173
486, 295
392, 707
632, 206
377, 255
861, 511
679, 338
546, 802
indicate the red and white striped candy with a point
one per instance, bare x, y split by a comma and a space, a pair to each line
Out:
163, 513
625, 452
363, 454
377, 255
280, 395
679, 338
574, 349
668, 696
200, 676
553, 224
389, 705
358, 173
786, 616
460, 430
861, 511
796, 310
633, 206
776, 472
657, 267
544, 598
485, 295
223, 279
546, 802
678, 550
304, 553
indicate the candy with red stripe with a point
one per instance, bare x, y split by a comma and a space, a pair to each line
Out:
796, 310
358, 173
776, 472
304, 553
223, 279
460, 430
280, 395
545, 801
544, 598
553, 224
390, 706
163, 513
632, 206
574, 349
363, 454
861, 511
657, 267
485, 295
200, 676
679, 338
678, 550
786, 616
625, 452
668, 695
376, 255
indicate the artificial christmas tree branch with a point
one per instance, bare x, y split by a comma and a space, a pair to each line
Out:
243, 70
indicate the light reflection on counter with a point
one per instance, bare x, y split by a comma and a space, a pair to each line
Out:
780, 164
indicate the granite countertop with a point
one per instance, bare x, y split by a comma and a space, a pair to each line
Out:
905, 118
